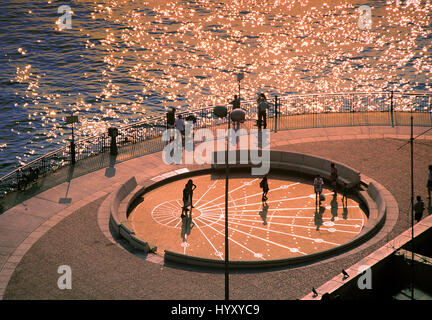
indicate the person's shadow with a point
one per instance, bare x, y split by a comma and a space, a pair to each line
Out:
263, 213
318, 220
429, 206
334, 207
66, 199
111, 171
187, 226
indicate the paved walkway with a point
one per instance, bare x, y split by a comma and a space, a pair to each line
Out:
59, 226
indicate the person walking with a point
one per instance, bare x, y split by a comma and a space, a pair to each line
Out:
264, 186
334, 207
262, 111
318, 184
419, 208
333, 176
236, 105
345, 195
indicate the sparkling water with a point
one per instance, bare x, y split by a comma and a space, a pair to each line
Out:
117, 62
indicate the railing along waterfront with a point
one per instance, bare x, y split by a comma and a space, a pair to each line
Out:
294, 111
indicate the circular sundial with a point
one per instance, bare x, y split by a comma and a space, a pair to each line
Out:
290, 223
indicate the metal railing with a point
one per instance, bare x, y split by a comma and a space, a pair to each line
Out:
287, 112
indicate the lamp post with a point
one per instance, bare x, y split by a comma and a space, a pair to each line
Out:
71, 120
222, 112
240, 77
411, 142
113, 133
236, 115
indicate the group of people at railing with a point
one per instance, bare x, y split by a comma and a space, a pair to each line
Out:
26, 178
179, 123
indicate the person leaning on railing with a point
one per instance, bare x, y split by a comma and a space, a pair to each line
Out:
262, 111
170, 116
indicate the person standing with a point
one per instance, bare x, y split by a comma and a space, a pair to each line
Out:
262, 111
333, 176
236, 105
318, 184
334, 207
180, 125
419, 208
345, 195
186, 199
190, 187
170, 118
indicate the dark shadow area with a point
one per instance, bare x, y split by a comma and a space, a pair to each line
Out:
68, 179
82, 167
111, 171
263, 213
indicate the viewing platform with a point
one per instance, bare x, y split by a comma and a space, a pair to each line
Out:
63, 219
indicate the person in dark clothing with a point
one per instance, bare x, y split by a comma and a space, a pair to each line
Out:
236, 102
190, 187
333, 176
186, 198
236, 105
262, 111
170, 116
345, 195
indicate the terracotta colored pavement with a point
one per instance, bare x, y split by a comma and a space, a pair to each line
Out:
59, 226
288, 224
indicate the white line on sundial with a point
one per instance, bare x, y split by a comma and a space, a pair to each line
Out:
276, 231
287, 217
256, 194
243, 185
207, 238
265, 240
231, 239
208, 189
284, 209
294, 225
167, 223
257, 203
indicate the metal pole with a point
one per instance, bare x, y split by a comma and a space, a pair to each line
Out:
391, 109
72, 146
275, 114
412, 210
226, 215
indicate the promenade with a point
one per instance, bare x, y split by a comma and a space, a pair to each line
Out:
65, 224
